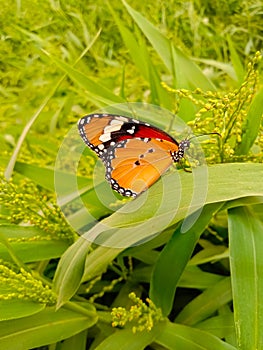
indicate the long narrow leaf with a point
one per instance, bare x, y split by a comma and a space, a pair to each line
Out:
126, 340
207, 303
70, 270
246, 261
173, 259
226, 182
36, 244
140, 219
221, 326
236, 62
187, 73
11, 164
45, 176
14, 309
141, 58
94, 89
46, 327
253, 122
180, 337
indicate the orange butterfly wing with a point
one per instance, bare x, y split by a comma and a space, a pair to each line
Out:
137, 164
134, 153
94, 127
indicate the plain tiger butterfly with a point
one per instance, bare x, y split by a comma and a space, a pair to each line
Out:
135, 154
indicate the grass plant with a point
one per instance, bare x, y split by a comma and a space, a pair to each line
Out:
186, 286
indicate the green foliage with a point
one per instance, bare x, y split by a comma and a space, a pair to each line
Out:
191, 245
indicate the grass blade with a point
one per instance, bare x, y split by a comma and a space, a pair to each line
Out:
96, 91
251, 129
141, 58
226, 182
173, 259
135, 222
127, 340
246, 261
188, 75
207, 303
45, 327
69, 271
180, 337
237, 65
12, 162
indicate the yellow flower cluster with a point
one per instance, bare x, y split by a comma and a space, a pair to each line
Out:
23, 285
23, 203
226, 114
143, 316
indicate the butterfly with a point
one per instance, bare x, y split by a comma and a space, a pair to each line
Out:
135, 154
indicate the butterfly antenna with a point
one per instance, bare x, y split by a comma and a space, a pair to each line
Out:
209, 133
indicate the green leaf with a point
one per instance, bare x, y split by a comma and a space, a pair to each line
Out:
78, 341
127, 340
226, 182
13, 309
141, 58
10, 167
194, 277
159, 96
246, 261
243, 201
149, 214
45, 176
226, 68
132, 44
165, 203
97, 262
95, 90
236, 62
173, 259
186, 72
253, 122
140, 219
207, 303
180, 337
210, 254
30, 244
221, 326
46, 327
70, 270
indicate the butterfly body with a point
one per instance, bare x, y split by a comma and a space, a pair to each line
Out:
135, 154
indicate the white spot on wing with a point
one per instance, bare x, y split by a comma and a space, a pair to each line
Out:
115, 125
120, 118
105, 137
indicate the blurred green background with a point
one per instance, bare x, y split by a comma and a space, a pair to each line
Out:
61, 60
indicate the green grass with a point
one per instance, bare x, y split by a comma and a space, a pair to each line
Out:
193, 242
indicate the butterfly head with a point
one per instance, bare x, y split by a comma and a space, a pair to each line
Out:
179, 154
